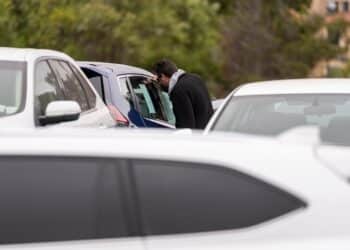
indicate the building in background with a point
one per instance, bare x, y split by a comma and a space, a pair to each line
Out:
330, 7
336, 14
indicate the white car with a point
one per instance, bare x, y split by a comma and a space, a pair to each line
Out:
153, 191
270, 108
44, 87
216, 103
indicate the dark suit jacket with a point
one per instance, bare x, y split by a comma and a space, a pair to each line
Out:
191, 102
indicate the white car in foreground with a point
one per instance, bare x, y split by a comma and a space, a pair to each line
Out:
270, 108
154, 191
45, 87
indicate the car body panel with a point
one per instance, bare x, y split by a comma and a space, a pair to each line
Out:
106, 244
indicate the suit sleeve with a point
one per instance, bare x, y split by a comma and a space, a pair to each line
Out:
183, 110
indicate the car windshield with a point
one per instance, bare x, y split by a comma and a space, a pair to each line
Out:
274, 114
12, 75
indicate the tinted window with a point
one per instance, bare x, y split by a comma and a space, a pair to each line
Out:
46, 87
89, 93
274, 114
12, 87
98, 84
72, 88
54, 199
152, 101
186, 197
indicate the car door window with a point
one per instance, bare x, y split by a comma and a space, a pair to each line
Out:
97, 82
72, 88
190, 197
12, 87
125, 90
152, 101
91, 97
60, 199
167, 107
46, 88
144, 100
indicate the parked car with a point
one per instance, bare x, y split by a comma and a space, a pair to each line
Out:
136, 190
270, 108
217, 103
129, 92
45, 87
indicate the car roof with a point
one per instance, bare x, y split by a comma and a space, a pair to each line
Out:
273, 161
296, 86
118, 69
26, 54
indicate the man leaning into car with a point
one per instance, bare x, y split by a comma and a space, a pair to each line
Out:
188, 94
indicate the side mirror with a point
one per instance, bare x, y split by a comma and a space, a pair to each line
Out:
60, 111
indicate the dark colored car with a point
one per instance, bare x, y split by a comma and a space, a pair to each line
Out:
133, 99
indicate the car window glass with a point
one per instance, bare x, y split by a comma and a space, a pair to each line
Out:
91, 97
149, 98
46, 87
168, 107
274, 114
59, 199
12, 87
97, 82
72, 87
189, 197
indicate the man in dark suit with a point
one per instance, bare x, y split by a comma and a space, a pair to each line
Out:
188, 94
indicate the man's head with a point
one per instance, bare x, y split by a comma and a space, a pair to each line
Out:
164, 69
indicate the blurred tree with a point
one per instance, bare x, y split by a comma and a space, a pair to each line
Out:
299, 5
6, 36
134, 32
264, 40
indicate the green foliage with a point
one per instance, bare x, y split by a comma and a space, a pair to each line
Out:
299, 5
335, 30
5, 30
338, 73
264, 40
132, 32
226, 41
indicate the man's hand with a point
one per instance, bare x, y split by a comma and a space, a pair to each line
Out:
152, 80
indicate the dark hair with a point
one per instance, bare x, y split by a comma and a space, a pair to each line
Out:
164, 66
